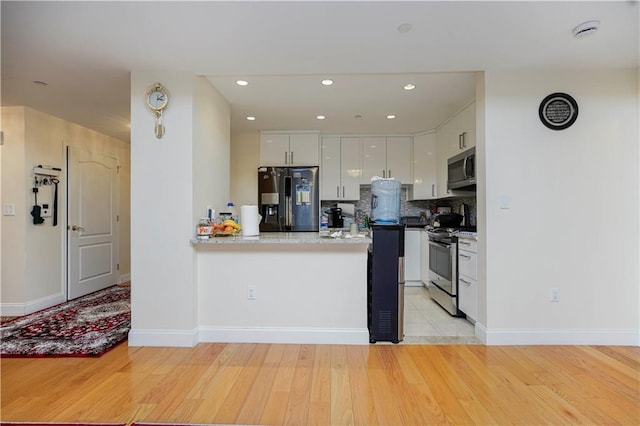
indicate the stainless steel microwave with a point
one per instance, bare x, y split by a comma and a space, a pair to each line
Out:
462, 170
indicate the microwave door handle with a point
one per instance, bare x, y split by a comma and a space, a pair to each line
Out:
464, 168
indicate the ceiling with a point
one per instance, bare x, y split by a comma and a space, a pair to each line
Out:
85, 52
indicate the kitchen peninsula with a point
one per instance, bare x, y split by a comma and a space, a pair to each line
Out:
282, 288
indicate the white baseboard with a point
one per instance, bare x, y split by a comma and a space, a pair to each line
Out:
170, 338
124, 278
295, 335
495, 337
19, 309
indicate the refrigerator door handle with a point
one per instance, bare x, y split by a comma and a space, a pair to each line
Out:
288, 190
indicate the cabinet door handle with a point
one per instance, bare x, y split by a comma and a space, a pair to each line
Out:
343, 192
464, 255
384, 173
464, 139
389, 173
338, 191
286, 157
433, 189
291, 157
465, 281
460, 141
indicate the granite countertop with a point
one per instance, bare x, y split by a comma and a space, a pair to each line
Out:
285, 238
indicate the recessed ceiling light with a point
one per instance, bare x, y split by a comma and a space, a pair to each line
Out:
327, 82
321, 117
251, 118
242, 82
391, 116
586, 28
404, 28
357, 116
40, 83
409, 86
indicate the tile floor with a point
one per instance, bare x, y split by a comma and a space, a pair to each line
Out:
426, 322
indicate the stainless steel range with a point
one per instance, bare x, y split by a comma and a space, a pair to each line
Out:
443, 268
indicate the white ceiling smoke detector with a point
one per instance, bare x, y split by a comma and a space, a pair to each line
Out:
586, 29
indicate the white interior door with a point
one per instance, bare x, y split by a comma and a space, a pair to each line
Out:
92, 222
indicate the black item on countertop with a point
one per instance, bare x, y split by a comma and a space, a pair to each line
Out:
385, 284
449, 220
335, 219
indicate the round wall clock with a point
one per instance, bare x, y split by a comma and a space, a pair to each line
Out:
157, 98
558, 111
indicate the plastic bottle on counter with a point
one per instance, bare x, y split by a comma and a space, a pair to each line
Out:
229, 212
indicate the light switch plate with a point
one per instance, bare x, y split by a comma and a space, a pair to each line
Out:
505, 201
8, 209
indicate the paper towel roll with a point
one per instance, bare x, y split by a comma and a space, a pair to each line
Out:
250, 220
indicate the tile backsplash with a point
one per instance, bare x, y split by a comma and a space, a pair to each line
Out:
409, 208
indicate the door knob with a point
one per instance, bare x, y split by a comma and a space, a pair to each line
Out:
76, 228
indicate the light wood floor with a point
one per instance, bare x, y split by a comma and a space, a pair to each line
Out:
325, 384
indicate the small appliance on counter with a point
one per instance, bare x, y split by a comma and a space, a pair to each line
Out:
335, 218
250, 220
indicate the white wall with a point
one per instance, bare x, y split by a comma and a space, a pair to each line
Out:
211, 135
245, 160
33, 273
573, 223
168, 182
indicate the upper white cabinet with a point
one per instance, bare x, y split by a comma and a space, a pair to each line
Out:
386, 157
289, 149
424, 167
340, 169
456, 136
465, 128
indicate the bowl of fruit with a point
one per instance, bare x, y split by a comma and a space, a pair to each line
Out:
227, 228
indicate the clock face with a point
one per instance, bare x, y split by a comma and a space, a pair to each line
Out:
157, 99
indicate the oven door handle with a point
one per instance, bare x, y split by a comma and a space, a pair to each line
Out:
435, 243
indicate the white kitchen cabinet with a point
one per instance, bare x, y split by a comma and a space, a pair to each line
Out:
468, 277
465, 129
289, 149
424, 167
340, 168
386, 157
412, 257
456, 136
424, 253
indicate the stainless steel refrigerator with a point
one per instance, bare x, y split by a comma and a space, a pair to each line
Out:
289, 199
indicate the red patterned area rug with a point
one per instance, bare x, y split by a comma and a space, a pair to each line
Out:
87, 326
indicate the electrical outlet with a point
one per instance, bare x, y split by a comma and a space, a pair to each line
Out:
554, 294
251, 292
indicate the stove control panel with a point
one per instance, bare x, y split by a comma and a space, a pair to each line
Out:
467, 235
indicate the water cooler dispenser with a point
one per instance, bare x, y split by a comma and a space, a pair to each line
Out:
385, 281
385, 201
